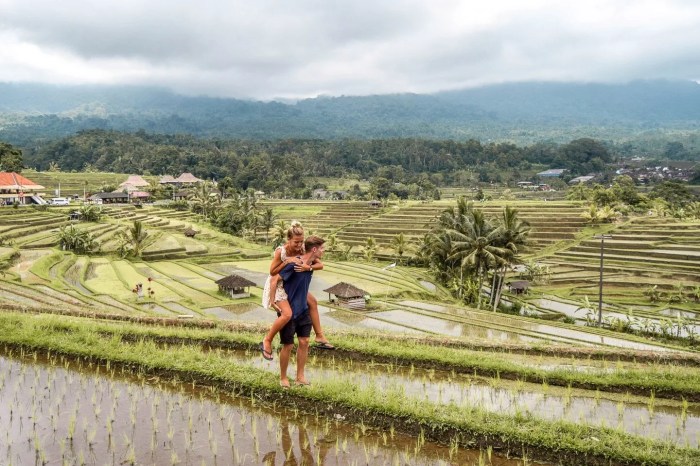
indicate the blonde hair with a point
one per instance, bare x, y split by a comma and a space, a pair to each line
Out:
295, 229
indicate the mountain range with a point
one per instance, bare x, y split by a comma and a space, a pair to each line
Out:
518, 112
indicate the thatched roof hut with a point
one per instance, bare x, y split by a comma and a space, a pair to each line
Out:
235, 285
187, 178
347, 295
136, 181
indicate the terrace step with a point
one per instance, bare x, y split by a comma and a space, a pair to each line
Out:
682, 265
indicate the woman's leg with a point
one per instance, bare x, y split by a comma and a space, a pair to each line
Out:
285, 315
274, 280
315, 319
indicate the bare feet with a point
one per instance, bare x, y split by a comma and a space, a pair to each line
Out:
284, 384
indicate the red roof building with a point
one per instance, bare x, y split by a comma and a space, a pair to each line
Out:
16, 188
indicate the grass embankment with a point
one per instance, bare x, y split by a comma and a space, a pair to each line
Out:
665, 376
564, 442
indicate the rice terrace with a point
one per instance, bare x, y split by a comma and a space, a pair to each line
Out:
120, 345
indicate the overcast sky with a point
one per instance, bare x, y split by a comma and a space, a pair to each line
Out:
264, 49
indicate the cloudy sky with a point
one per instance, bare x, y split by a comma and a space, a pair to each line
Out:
264, 49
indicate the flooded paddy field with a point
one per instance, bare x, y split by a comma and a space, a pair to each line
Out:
58, 411
651, 417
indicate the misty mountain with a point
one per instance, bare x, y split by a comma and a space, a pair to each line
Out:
520, 112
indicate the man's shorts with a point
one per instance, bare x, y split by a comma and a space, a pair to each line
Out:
301, 326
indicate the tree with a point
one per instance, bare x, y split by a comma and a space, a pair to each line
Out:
133, 241
90, 213
10, 158
675, 193
400, 244
370, 249
267, 221
511, 235
205, 199
79, 241
475, 247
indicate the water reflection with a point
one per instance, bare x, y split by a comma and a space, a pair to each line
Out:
659, 419
57, 411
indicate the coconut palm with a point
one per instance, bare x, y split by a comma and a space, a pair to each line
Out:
205, 199
267, 221
90, 213
476, 247
370, 249
400, 245
134, 240
512, 233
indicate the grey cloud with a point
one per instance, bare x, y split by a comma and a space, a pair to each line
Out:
302, 48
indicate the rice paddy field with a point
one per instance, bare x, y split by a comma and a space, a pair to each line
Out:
93, 373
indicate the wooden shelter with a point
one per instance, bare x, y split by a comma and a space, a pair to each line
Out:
347, 295
235, 286
518, 286
109, 198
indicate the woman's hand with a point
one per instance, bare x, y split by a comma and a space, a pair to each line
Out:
302, 267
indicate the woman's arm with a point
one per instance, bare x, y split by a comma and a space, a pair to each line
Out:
304, 267
278, 264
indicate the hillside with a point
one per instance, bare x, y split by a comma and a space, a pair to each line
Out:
519, 112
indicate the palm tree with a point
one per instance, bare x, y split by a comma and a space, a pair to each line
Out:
280, 233
267, 221
476, 247
400, 244
512, 234
205, 199
90, 213
370, 248
133, 241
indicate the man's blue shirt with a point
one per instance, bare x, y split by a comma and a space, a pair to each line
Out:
296, 284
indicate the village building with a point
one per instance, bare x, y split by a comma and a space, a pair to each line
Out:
135, 181
181, 195
347, 295
16, 188
109, 198
581, 179
518, 286
235, 286
552, 173
187, 179
139, 196
167, 179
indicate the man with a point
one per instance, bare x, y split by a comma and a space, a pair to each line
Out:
297, 279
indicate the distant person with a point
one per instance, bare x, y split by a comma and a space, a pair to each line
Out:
274, 295
296, 285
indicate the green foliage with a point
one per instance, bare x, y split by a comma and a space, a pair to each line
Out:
465, 247
90, 213
674, 193
10, 158
133, 241
79, 241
